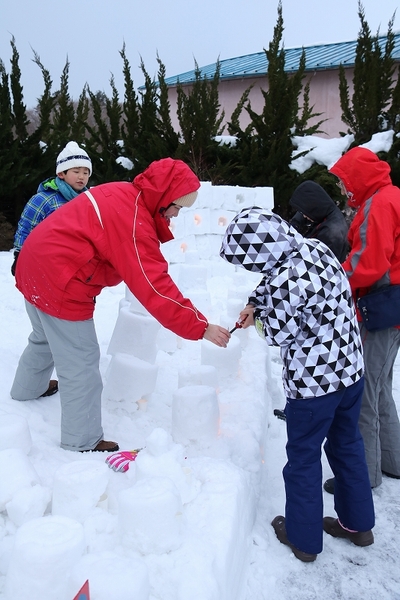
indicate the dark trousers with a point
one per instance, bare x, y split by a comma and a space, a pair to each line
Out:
333, 417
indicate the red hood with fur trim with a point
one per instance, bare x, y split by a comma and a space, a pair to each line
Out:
374, 234
163, 182
362, 173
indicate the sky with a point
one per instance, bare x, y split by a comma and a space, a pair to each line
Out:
229, 480
91, 34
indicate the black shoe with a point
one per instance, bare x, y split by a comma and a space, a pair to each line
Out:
359, 538
390, 475
329, 485
52, 389
104, 446
280, 530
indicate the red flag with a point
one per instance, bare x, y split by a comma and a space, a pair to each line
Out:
83, 593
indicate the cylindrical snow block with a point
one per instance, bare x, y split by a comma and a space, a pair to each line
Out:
28, 503
129, 378
16, 472
201, 299
111, 576
195, 414
167, 340
198, 375
225, 360
15, 433
45, 549
135, 306
239, 292
233, 308
135, 334
192, 277
162, 457
78, 487
241, 334
150, 516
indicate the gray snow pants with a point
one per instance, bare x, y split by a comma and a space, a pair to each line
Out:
379, 421
72, 348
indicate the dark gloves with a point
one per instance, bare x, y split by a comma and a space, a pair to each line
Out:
14, 265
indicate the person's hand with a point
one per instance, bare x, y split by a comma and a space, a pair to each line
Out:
246, 316
217, 335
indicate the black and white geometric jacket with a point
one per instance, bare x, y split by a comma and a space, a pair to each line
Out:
303, 303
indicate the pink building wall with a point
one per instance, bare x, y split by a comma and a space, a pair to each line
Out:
324, 96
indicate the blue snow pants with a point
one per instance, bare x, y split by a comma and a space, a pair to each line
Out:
309, 422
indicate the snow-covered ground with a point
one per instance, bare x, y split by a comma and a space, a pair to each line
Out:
213, 540
250, 451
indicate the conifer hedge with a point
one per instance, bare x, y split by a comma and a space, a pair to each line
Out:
138, 126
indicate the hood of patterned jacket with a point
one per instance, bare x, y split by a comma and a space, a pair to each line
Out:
302, 304
163, 182
258, 240
362, 173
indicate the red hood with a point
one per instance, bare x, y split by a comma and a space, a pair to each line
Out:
362, 173
161, 183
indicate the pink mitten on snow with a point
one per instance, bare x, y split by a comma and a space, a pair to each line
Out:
120, 461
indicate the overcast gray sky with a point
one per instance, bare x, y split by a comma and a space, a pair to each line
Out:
91, 34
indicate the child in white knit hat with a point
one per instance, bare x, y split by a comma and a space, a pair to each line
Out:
73, 169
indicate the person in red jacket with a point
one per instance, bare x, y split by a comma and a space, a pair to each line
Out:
374, 261
108, 234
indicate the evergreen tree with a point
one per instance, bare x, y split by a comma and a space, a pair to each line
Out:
367, 112
78, 129
8, 148
103, 144
170, 137
130, 126
200, 118
153, 142
265, 148
63, 117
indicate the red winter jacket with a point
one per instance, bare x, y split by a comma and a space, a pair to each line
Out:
374, 234
89, 244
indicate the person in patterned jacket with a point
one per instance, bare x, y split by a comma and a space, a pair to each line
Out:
73, 169
304, 305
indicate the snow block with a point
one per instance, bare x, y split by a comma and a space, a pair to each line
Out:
28, 503
45, 550
161, 457
15, 433
16, 473
198, 375
129, 378
150, 516
78, 487
225, 360
135, 334
195, 414
112, 576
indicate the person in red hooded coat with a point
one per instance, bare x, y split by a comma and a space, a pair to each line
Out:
108, 234
374, 261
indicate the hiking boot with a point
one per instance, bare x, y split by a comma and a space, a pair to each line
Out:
359, 538
104, 446
52, 389
280, 530
329, 485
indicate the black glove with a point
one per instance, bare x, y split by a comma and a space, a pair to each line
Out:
14, 265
